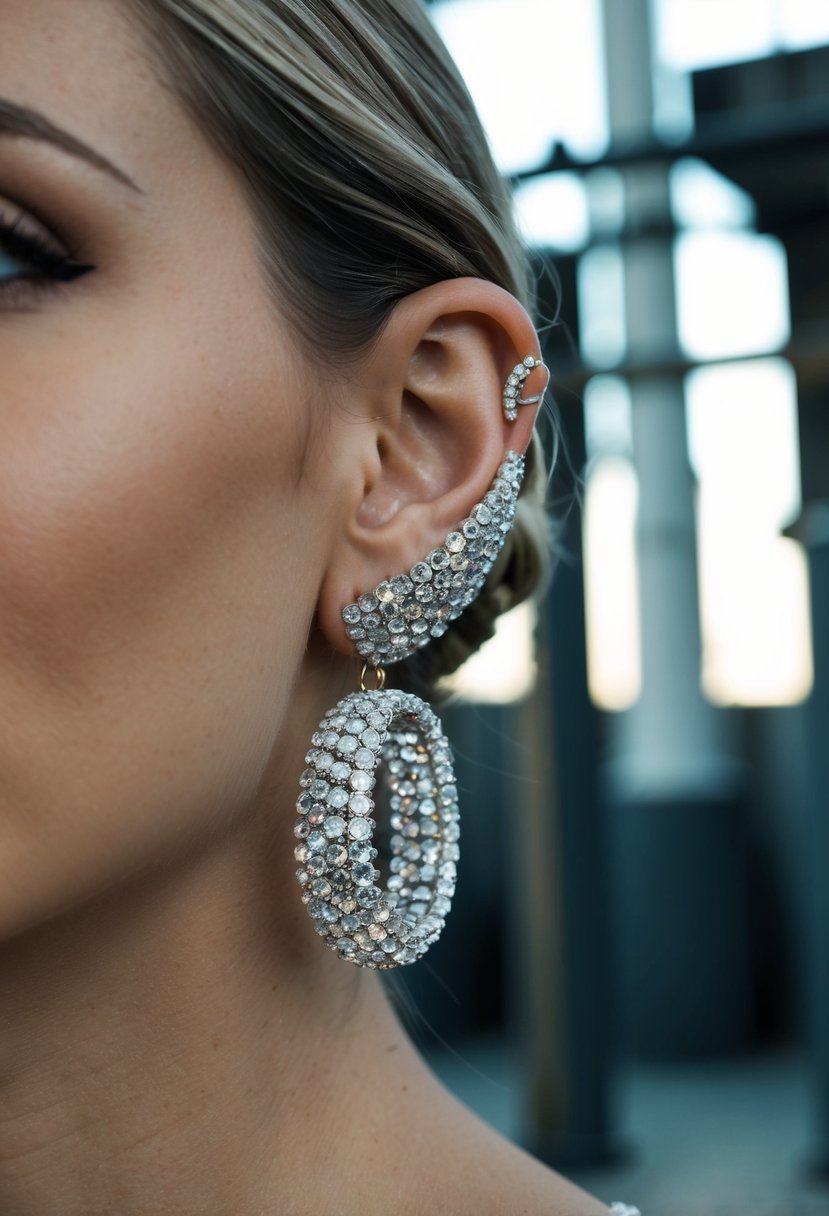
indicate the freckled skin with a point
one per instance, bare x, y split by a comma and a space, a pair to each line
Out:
173, 1037
149, 487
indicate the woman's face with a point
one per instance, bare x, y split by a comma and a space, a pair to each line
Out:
162, 525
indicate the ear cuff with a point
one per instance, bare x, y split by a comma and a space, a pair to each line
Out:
515, 382
405, 612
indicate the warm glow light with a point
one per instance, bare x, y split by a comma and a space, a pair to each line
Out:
504, 670
702, 198
601, 304
551, 211
732, 294
754, 592
698, 33
614, 650
803, 23
524, 110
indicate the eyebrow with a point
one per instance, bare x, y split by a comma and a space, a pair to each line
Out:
20, 120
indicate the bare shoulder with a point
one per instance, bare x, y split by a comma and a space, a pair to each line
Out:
510, 1182
475, 1171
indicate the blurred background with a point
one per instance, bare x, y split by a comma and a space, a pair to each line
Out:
634, 979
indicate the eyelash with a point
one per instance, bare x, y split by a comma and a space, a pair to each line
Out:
55, 271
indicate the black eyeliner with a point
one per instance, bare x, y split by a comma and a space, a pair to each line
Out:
33, 251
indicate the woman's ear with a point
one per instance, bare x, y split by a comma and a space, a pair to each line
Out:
434, 432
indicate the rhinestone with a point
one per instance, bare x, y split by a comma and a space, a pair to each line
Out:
348, 745
438, 558
301, 829
359, 804
301, 852
304, 803
421, 573
337, 797
470, 529
334, 826
401, 584
530, 361
455, 542
385, 593
364, 758
359, 852
355, 726
350, 923
376, 932
367, 897
324, 762
316, 842
367, 603
316, 865
361, 781
364, 874
335, 855
358, 829
370, 738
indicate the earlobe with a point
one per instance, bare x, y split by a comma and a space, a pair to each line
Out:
439, 437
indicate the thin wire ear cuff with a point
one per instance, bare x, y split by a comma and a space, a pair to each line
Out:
515, 382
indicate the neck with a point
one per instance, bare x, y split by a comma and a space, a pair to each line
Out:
176, 1047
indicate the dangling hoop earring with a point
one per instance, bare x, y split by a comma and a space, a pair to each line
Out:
379, 732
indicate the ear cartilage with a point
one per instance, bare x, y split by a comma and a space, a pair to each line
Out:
514, 384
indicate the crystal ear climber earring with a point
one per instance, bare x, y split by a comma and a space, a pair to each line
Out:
515, 381
381, 741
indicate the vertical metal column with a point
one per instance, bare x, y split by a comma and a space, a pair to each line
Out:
675, 814
815, 842
563, 989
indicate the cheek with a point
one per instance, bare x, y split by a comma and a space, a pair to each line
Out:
149, 524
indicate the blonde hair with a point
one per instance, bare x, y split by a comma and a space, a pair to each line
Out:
369, 177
